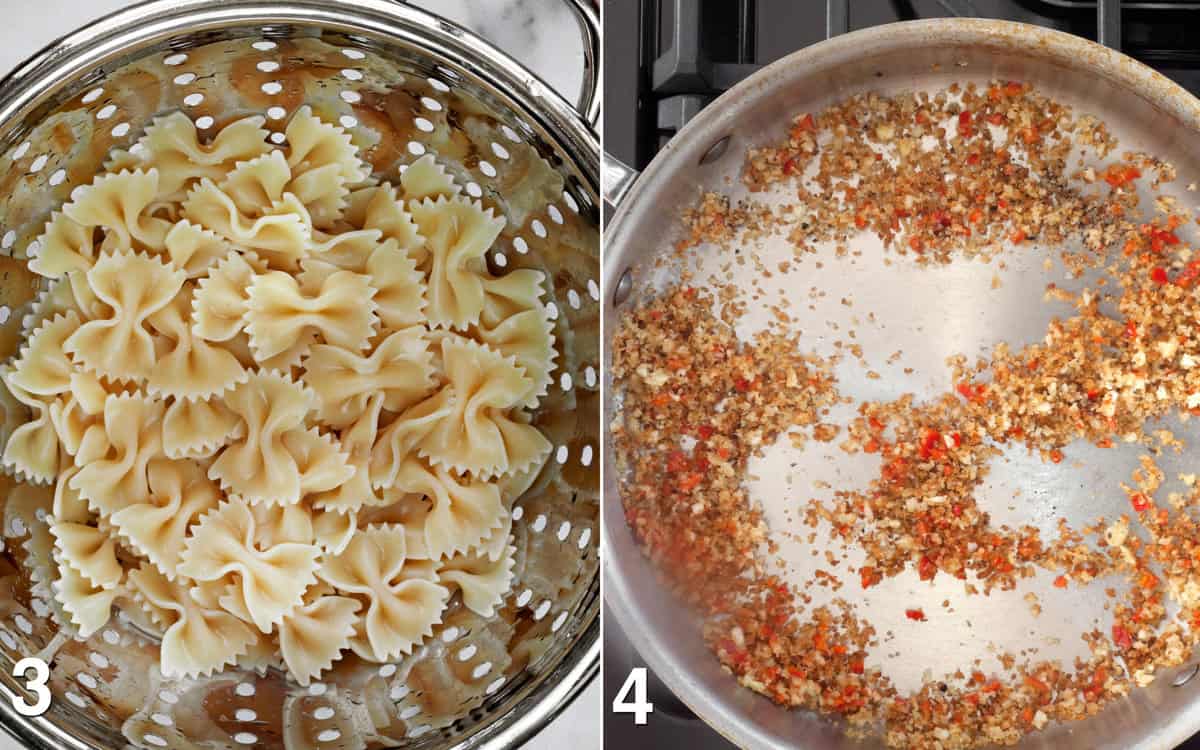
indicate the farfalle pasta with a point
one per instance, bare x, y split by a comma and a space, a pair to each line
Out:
134, 287
457, 234
279, 405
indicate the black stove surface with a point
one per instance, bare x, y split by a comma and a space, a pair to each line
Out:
664, 60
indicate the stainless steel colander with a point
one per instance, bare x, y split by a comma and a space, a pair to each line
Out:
404, 83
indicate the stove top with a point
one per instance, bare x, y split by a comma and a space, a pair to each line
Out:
665, 60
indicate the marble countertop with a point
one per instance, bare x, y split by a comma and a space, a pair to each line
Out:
542, 34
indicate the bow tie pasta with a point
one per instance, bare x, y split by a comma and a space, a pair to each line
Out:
277, 407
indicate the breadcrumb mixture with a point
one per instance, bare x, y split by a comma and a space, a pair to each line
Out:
966, 172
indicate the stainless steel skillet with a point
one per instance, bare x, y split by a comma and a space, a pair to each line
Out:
936, 314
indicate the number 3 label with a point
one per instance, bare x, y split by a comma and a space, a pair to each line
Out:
37, 686
639, 706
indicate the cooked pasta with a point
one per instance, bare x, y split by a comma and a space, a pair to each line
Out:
457, 234
134, 287
279, 407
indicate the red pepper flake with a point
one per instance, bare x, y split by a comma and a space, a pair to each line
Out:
1014, 88
1060, 582
1121, 637
689, 482
1119, 175
1131, 330
926, 569
860, 221
868, 576
931, 441
965, 128
957, 438
856, 665
1017, 237
704, 431
872, 446
915, 614
1056, 456
1188, 276
895, 470
973, 393
976, 216
792, 165
1159, 275
1139, 502
742, 385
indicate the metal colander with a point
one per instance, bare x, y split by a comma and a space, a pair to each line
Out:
404, 83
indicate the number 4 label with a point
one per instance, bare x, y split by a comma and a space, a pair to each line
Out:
640, 708
35, 685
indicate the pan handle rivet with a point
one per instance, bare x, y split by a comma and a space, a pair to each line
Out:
623, 288
715, 151
1185, 675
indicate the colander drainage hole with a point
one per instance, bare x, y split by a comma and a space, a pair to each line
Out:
715, 151
323, 713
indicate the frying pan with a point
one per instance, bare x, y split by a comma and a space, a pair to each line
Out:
928, 314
